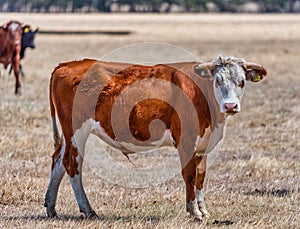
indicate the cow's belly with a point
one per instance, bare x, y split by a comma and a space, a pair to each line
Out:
129, 147
94, 127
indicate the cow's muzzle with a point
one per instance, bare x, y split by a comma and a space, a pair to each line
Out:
231, 108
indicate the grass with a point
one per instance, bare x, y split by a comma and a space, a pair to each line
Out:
253, 181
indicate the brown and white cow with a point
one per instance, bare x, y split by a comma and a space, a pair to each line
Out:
191, 100
10, 48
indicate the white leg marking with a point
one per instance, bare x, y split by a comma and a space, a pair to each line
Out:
79, 141
201, 203
57, 174
192, 208
81, 198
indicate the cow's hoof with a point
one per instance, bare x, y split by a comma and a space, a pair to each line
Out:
205, 213
192, 208
92, 215
18, 92
51, 213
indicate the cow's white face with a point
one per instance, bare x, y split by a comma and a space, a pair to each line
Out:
15, 32
229, 82
229, 75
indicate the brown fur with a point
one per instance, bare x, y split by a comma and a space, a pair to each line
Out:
10, 48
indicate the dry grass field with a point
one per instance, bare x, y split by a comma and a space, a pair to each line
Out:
254, 181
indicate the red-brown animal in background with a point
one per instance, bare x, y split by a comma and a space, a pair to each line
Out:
27, 41
10, 48
84, 94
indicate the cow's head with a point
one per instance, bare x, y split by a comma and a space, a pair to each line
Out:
14, 31
229, 75
28, 37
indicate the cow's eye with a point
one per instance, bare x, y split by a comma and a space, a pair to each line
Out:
218, 82
242, 84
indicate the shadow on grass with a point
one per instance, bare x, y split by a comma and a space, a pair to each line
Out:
113, 219
222, 222
102, 218
276, 193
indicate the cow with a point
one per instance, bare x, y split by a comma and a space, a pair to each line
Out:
192, 100
27, 41
10, 48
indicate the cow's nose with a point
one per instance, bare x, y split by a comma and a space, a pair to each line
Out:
231, 107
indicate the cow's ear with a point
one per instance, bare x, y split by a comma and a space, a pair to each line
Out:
205, 70
36, 30
25, 29
5, 27
254, 72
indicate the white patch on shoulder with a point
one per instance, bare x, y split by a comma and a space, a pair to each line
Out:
202, 142
217, 137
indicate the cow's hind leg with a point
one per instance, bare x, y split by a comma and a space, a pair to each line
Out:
57, 174
200, 160
75, 178
18, 84
189, 176
21, 70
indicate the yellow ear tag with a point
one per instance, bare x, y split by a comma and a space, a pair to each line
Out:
256, 78
26, 30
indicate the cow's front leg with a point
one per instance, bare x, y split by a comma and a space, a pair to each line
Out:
200, 160
189, 176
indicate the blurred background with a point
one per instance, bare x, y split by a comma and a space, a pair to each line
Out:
163, 6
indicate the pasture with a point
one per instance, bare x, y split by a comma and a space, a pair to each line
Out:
254, 179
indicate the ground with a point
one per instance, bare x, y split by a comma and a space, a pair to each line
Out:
254, 179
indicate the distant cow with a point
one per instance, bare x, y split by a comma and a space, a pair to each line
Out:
27, 41
10, 48
84, 96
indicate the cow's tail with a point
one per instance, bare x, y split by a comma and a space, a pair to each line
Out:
56, 135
